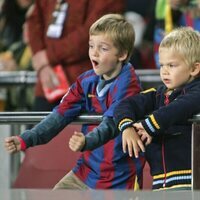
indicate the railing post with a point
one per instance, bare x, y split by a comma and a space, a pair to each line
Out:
196, 155
15, 160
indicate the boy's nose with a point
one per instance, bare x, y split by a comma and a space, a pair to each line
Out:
164, 70
95, 52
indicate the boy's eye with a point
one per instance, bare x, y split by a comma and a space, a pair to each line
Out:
172, 65
104, 49
168, 65
91, 46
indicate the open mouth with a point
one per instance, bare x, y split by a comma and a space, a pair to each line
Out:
95, 63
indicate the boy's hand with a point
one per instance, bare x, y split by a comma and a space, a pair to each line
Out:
77, 141
132, 141
144, 136
12, 144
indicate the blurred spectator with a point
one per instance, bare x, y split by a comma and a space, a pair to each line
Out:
142, 18
171, 14
59, 36
16, 58
20, 98
12, 18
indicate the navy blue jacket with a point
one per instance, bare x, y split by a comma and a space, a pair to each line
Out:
169, 154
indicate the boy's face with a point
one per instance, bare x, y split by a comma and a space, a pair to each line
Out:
174, 71
104, 56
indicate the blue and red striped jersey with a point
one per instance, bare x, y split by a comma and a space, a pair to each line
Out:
106, 166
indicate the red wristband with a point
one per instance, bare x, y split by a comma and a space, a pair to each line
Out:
22, 143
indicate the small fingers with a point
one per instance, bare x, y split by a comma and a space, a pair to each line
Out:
77, 141
136, 147
12, 144
136, 150
78, 134
8, 139
133, 148
130, 147
11, 147
149, 139
73, 145
141, 146
124, 146
143, 138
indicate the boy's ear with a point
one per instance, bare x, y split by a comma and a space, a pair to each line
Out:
123, 56
196, 69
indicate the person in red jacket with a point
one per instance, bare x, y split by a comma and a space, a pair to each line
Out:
58, 33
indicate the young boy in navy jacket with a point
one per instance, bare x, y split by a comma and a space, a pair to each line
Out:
156, 121
111, 41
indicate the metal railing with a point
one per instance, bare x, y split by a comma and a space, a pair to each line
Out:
29, 77
19, 118
35, 117
8, 78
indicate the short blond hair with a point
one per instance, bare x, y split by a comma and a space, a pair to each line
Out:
118, 30
186, 42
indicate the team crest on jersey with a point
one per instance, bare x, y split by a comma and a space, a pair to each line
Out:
91, 95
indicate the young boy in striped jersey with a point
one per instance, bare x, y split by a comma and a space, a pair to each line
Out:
111, 41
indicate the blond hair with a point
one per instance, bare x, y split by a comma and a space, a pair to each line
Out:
186, 42
118, 30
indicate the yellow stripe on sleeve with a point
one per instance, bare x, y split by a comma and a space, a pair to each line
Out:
124, 121
154, 121
149, 90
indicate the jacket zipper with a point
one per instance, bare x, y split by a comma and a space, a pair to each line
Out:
163, 163
166, 102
